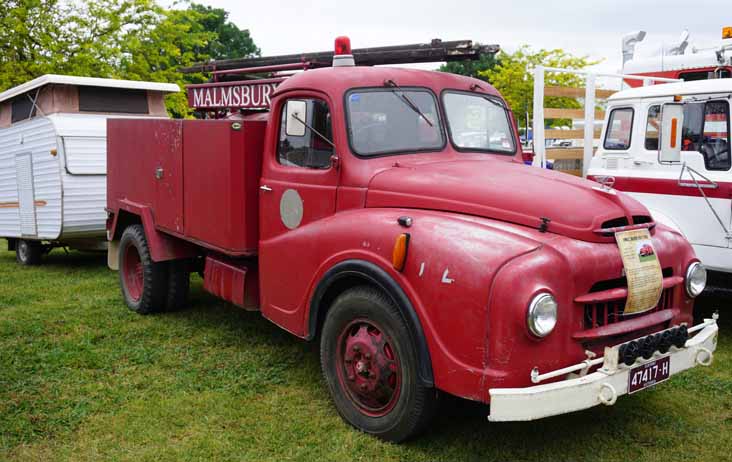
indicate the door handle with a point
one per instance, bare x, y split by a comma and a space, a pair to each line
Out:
264, 187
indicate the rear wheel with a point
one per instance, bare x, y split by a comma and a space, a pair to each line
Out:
370, 365
28, 252
143, 281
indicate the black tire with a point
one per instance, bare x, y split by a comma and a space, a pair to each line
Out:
149, 294
28, 253
179, 283
409, 410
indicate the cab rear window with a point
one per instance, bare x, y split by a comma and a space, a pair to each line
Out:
619, 129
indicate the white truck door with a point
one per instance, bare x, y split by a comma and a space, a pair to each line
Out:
706, 157
26, 194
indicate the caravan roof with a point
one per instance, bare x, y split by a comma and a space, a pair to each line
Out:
86, 81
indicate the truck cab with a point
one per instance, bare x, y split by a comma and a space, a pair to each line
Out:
387, 214
691, 195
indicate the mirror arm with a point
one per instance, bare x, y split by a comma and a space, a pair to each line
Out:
323, 137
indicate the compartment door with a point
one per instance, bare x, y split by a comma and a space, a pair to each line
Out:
168, 173
26, 194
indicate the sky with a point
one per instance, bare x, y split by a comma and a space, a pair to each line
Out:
592, 28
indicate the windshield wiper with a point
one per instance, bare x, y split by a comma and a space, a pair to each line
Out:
495, 103
406, 100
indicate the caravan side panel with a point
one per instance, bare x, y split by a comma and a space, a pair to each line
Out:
37, 138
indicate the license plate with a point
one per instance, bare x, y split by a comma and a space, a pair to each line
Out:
649, 374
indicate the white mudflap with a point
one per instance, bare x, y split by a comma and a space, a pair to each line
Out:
26, 195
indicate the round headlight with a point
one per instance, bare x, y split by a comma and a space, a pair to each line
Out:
696, 279
542, 315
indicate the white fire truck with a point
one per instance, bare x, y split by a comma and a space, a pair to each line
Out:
680, 168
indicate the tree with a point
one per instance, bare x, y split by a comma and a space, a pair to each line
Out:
513, 76
127, 39
66, 37
471, 68
230, 41
177, 39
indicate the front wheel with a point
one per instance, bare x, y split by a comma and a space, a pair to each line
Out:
370, 365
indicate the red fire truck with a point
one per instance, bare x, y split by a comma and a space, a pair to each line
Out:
387, 213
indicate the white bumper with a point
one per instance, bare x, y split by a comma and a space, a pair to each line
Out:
603, 386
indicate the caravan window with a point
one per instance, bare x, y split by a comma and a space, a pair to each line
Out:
101, 99
21, 109
706, 130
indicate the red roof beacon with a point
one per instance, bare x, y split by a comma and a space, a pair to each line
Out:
342, 55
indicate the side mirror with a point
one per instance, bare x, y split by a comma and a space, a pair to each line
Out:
669, 137
295, 110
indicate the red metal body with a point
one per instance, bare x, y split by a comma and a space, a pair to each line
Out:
487, 234
681, 74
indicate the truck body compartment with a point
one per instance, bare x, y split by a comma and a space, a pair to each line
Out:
200, 178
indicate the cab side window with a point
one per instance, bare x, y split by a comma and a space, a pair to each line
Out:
307, 144
619, 128
706, 130
652, 124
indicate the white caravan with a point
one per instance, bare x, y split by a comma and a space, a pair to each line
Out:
53, 158
669, 147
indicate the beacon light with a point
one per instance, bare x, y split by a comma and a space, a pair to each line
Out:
342, 45
342, 54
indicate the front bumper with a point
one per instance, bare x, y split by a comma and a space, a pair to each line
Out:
600, 387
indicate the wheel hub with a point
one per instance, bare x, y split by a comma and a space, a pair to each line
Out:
370, 367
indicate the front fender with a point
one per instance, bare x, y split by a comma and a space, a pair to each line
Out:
451, 262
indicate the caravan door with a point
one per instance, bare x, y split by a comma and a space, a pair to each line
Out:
26, 194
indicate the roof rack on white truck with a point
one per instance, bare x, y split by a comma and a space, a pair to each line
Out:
53, 158
689, 189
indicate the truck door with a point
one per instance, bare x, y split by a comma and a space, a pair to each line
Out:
297, 189
706, 149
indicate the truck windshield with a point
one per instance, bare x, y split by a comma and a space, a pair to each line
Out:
478, 123
383, 121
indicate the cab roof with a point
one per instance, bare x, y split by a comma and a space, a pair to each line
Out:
49, 79
341, 79
678, 88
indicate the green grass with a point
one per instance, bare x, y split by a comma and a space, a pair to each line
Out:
84, 379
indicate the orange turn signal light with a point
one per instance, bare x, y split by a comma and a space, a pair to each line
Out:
726, 32
677, 98
674, 131
399, 254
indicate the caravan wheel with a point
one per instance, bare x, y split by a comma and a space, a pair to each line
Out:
28, 252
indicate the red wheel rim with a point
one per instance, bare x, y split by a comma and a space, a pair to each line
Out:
132, 271
368, 367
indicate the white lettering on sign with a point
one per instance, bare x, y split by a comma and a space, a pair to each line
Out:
247, 96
